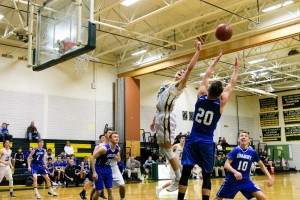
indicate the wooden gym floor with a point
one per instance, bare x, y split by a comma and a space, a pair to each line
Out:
286, 187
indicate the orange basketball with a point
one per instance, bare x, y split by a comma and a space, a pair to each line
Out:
223, 32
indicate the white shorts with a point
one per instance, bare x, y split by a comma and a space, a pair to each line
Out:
5, 172
117, 177
165, 125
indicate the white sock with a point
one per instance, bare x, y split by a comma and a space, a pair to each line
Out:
177, 174
11, 189
35, 190
50, 189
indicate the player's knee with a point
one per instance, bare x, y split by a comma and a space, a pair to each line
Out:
206, 181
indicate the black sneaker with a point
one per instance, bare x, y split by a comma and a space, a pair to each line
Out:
102, 195
11, 194
82, 195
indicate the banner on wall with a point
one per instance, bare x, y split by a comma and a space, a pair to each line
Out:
268, 104
291, 116
269, 119
291, 101
271, 134
292, 133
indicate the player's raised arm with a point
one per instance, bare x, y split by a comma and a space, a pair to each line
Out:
228, 89
182, 82
265, 171
205, 80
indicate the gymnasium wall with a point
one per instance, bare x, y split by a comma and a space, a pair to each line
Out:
60, 101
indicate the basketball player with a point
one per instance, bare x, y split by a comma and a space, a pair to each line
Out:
82, 194
164, 121
238, 165
177, 149
199, 146
6, 166
36, 163
102, 172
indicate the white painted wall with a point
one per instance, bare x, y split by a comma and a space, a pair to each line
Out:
60, 101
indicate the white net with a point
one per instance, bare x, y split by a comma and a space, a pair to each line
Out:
82, 63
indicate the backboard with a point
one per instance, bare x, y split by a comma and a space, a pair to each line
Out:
64, 30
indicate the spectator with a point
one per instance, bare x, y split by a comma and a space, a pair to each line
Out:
160, 160
59, 167
72, 174
219, 165
50, 170
148, 165
19, 159
68, 148
72, 157
177, 138
5, 133
133, 166
224, 144
63, 155
32, 132
49, 155
85, 168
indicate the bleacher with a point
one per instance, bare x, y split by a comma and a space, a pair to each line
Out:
81, 148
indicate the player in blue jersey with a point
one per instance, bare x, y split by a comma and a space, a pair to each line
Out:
36, 165
102, 172
50, 170
199, 146
238, 165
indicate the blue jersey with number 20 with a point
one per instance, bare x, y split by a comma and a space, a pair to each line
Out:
206, 116
241, 161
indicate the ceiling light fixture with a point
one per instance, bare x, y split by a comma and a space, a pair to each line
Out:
128, 2
277, 6
1, 16
257, 61
139, 52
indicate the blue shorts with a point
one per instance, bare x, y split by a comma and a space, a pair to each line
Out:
199, 153
38, 169
104, 179
230, 188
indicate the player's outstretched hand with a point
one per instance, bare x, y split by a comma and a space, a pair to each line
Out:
237, 62
152, 127
198, 43
238, 175
270, 182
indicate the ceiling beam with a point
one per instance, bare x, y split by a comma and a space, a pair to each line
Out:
228, 47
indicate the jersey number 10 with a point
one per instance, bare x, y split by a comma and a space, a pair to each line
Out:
204, 117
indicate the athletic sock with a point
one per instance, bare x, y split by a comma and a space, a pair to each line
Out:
205, 197
35, 190
181, 196
11, 189
177, 174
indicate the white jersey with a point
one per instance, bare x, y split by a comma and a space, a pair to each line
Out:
5, 157
178, 152
166, 97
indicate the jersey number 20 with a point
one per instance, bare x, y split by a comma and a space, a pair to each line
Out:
204, 117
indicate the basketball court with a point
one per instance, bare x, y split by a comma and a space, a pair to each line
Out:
147, 42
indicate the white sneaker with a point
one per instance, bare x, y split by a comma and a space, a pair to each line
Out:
158, 190
173, 187
38, 196
59, 183
54, 183
51, 192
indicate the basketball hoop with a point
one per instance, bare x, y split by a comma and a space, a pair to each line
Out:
82, 63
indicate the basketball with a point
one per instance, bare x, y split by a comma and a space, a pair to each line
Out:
223, 32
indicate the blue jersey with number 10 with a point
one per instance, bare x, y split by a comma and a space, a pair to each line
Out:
206, 116
38, 156
242, 161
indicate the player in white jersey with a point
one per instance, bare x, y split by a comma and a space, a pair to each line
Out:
177, 149
6, 166
164, 122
